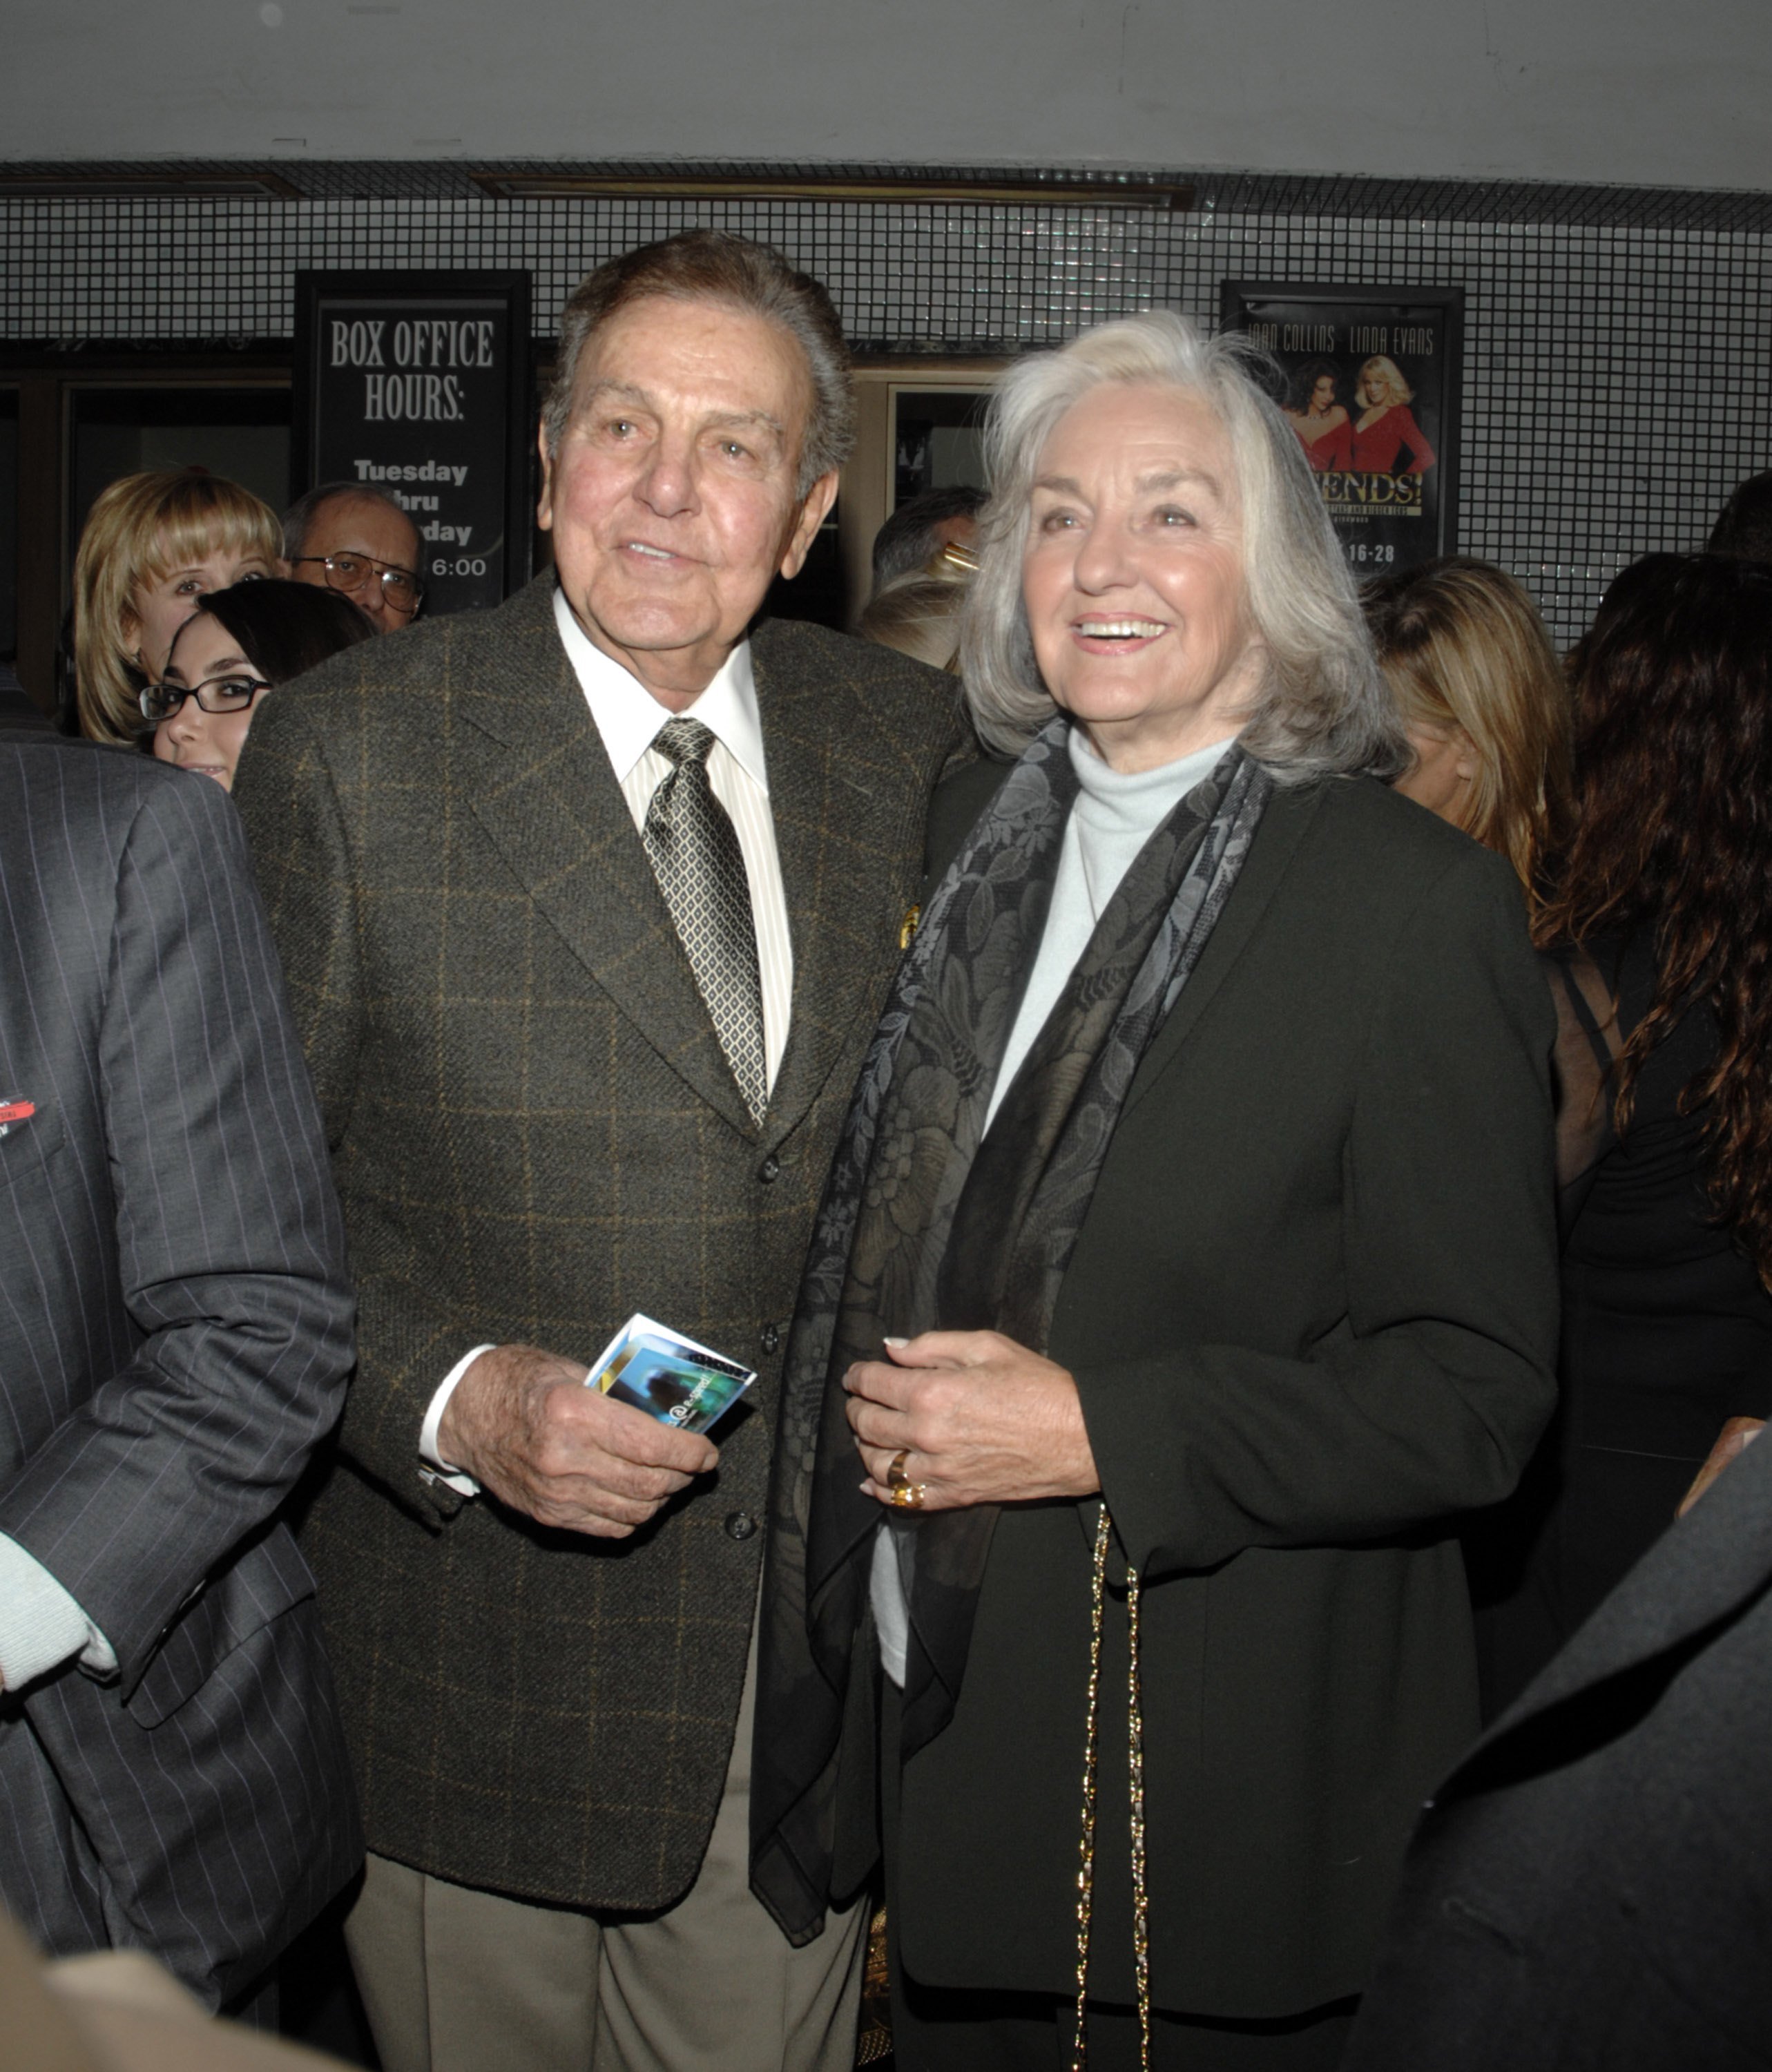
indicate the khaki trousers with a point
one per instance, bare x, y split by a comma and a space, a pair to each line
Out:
457, 1980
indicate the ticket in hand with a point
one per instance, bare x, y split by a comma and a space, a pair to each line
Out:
668, 1376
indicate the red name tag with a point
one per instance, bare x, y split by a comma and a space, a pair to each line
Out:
17, 1110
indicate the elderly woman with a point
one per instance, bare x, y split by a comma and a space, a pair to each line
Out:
1187, 1268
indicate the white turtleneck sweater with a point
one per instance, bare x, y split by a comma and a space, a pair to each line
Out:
1114, 815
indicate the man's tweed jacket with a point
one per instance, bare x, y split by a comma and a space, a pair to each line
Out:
534, 1134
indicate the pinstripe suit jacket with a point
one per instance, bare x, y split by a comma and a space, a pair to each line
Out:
174, 1338
535, 1134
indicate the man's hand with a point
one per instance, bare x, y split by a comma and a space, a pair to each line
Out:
979, 1419
523, 1424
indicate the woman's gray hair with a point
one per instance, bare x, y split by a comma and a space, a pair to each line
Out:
1323, 708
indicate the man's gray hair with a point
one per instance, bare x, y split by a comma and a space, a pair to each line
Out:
1323, 707
300, 515
713, 265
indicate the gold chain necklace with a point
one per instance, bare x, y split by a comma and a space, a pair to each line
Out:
1086, 1846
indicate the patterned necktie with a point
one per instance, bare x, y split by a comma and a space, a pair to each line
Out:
700, 870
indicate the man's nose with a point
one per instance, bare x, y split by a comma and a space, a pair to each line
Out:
373, 598
668, 484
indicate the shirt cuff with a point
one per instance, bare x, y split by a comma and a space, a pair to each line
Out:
41, 1626
436, 1468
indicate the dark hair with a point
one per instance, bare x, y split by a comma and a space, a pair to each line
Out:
1673, 833
1304, 380
908, 537
1744, 525
285, 629
713, 265
298, 519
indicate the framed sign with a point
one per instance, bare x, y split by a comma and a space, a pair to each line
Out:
1371, 386
418, 385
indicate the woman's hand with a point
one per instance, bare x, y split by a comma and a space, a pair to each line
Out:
979, 1419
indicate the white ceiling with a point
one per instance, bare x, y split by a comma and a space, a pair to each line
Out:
1637, 92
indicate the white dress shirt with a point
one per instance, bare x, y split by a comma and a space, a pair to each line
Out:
1114, 815
41, 1626
628, 719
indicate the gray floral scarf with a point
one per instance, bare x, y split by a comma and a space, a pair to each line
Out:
928, 1224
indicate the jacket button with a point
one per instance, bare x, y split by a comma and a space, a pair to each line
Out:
740, 1525
769, 1338
767, 1171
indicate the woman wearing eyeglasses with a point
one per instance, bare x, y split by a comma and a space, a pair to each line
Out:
152, 546
236, 645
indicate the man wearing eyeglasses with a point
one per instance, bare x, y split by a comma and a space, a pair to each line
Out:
356, 539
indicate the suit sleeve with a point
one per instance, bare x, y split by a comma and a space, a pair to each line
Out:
1426, 1398
295, 827
299, 831
229, 1244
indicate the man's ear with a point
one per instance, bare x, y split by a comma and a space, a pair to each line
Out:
544, 510
812, 514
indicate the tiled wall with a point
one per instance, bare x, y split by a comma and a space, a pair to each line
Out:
1615, 381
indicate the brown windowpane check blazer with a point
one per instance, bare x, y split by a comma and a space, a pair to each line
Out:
534, 1134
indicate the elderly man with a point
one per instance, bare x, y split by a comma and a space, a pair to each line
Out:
354, 537
587, 929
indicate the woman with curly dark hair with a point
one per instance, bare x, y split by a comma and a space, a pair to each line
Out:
1656, 926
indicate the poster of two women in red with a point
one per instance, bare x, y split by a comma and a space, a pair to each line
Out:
1368, 379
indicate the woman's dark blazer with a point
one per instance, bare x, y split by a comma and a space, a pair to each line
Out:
1312, 1315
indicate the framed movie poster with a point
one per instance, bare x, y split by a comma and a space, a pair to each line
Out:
1372, 380
418, 383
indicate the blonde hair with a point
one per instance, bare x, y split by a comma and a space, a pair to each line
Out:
920, 612
1396, 389
140, 527
1461, 644
1322, 709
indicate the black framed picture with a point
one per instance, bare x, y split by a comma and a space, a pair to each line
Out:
1371, 387
418, 383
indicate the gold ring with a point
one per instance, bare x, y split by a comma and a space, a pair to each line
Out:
908, 1496
896, 1477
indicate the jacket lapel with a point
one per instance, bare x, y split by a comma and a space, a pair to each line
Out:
543, 790
1703, 1571
833, 830
1289, 812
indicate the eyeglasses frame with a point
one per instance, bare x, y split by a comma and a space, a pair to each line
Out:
196, 692
381, 570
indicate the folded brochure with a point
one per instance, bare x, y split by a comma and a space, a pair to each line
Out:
667, 1376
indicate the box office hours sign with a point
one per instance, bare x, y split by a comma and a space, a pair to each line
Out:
418, 385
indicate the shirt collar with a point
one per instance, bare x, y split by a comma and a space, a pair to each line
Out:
628, 716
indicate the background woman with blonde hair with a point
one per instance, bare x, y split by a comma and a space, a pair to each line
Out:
153, 544
918, 613
1482, 700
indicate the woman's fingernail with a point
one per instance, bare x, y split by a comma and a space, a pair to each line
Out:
895, 1342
